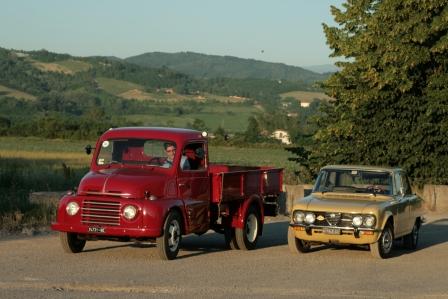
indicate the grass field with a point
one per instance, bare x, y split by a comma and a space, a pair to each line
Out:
15, 93
232, 118
305, 96
69, 66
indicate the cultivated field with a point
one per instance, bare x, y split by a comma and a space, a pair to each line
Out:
305, 96
15, 93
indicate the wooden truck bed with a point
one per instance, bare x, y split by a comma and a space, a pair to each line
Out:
231, 182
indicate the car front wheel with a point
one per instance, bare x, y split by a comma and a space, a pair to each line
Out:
297, 245
383, 247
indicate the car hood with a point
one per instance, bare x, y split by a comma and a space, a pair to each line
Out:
128, 183
342, 202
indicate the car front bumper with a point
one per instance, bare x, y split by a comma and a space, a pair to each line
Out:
335, 235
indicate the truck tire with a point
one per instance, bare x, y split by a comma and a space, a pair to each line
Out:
383, 247
230, 238
296, 245
71, 243
411, 241
247, 237
168, 244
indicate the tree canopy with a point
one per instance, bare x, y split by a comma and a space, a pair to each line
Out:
391, 94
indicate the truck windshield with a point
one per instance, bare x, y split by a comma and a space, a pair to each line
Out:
354, 181
136, 151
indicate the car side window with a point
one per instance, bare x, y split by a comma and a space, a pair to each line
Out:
193, 155
405, 184
397, 183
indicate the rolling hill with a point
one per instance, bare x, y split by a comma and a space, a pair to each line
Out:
213, 66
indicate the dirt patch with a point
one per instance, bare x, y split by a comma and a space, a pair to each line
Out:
135, 94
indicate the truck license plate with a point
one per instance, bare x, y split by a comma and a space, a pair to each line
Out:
96, 230
331, 231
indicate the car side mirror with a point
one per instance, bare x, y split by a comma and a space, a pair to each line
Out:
89, 149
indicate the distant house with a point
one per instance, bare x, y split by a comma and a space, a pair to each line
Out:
304, 104
281, 135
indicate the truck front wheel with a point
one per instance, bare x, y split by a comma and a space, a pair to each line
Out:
71, 243
247, 237
168, 244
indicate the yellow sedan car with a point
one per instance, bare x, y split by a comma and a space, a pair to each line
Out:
357, 205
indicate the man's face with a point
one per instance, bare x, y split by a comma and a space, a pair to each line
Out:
170, 151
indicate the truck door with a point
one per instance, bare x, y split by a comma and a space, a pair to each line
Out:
194, 186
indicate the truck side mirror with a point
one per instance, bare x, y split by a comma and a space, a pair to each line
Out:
89, 149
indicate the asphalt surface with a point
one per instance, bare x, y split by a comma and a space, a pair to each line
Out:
36, 267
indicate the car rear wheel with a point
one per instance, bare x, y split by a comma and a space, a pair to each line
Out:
247, 237
411, 240
71, 243
297, 245
168, 244
383, 247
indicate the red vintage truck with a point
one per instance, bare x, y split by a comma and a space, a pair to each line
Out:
157, 184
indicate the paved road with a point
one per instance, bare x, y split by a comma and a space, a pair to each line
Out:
38, 268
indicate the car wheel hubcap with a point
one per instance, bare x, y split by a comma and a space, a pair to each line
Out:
251, 228
173, 235
387, 241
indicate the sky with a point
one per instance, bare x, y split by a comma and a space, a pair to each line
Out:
285, 31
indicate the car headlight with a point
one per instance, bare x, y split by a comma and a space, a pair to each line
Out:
129, 212
72, 208
357, 221
298, 217
369, 221
310, 218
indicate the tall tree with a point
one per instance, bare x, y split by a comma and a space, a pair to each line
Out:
391, 95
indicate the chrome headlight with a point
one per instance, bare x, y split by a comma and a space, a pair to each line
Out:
310, 218
72, 208
357, 221
369, 221
129, 212
298, 217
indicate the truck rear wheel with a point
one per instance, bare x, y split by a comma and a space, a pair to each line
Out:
247, 237
296, 245
71, 243
230, 238
168, 244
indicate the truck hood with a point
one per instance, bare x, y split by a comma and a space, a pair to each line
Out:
342, 202
123, 182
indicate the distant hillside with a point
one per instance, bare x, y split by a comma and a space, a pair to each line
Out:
213, 66
322, 68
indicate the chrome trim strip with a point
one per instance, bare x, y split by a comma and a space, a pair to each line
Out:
100, 216
108, 194
340, 227
97, 222
101, 210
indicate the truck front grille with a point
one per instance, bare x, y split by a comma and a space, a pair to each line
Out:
100, 212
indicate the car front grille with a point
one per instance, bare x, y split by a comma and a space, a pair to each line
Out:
95, 212
333, 219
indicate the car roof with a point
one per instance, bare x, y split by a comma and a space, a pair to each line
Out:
363, 167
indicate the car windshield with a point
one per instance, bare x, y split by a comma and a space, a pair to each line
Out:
136, 151
354, 181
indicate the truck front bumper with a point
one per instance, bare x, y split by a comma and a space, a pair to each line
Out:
107, 231
335, 235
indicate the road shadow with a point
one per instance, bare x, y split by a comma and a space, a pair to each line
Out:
274, 234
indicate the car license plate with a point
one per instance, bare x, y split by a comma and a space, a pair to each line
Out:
331, 231
96, 229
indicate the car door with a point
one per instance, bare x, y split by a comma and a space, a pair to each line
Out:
401, 206
194, 186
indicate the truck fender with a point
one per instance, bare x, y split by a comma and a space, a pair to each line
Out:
255, 199
157, 213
